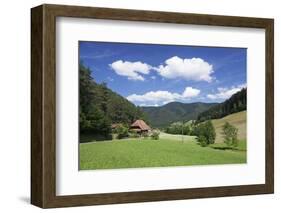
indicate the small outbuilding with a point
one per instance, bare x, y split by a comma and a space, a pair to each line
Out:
140, 127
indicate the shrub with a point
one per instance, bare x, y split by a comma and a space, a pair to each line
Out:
210, 132
134, 134
186, 129
145, 134
155, 135
230, 134
205, 133
122, 131
202, 140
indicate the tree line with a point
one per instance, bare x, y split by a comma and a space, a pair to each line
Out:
205, 132
236, 103
181, 128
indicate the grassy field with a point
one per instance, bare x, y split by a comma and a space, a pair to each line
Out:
167, 151
237, 119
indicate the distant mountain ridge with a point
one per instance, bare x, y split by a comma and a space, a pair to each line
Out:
164, 115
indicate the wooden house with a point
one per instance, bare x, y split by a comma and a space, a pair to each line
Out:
140, 127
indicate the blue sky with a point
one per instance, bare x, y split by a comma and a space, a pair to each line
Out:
153, 75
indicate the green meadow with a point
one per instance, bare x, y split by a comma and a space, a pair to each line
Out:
169, 150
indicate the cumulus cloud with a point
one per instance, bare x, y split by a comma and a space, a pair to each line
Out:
155, 98
190, 92
132, 70
195, 69
225, 93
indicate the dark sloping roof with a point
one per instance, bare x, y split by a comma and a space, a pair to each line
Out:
140, 124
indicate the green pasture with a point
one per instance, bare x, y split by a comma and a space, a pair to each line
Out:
169, 150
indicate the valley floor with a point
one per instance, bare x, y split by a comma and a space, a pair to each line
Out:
169, 150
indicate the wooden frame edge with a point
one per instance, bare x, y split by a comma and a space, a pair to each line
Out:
43, 180
36, 106
269, 118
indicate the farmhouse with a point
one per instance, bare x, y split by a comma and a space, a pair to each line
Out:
140, 126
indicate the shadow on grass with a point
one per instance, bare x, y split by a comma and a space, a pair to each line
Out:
222, 147
230, 148
88, 137
225, 148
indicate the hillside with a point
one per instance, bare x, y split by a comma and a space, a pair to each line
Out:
175, 111
236, 103
99, 106
236, 119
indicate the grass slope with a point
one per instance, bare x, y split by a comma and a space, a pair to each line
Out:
237, 119
167, 151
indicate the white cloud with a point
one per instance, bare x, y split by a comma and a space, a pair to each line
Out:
144, 105
190, 92
195, 69
225, 93
155, 98
132, 70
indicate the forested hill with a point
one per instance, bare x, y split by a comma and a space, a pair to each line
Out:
164, 115
100, 107
236, 103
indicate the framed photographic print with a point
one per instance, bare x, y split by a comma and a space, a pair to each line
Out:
137, 106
